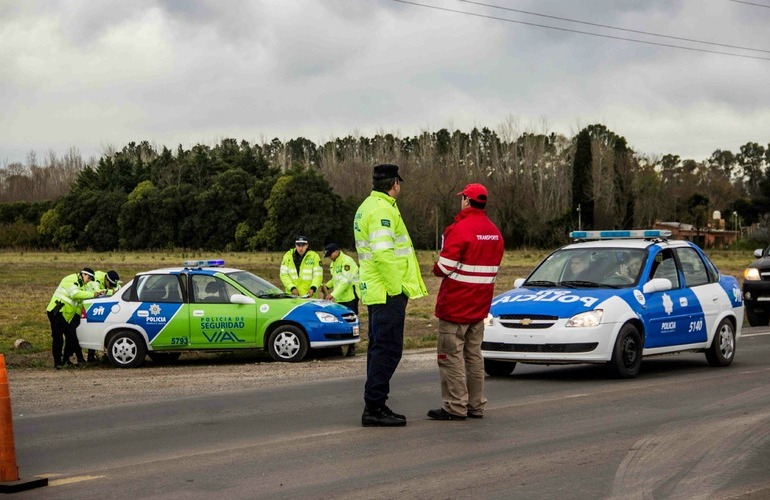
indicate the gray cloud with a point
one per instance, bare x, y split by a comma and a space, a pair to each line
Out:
89, 74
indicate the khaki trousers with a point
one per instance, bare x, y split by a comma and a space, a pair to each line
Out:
461, 367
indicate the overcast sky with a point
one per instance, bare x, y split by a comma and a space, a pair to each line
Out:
91, 74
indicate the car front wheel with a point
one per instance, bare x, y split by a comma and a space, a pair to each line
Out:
760, 318
722, 350
288, 343
126, 350
627, 354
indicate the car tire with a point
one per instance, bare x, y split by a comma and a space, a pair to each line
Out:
495, 368
627, 354
722, 349
761, 318
126, 350
288, 343
163, 357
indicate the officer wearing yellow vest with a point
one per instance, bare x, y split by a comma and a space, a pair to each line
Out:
110, 283
389, 276
301, 271
343, 287
64, 315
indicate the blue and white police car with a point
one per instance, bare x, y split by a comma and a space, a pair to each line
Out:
613, 297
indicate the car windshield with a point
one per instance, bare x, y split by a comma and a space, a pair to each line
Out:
589, 268
255, 284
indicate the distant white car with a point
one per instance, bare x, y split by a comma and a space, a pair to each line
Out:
613, 297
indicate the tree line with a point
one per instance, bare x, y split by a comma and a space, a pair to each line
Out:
242, 196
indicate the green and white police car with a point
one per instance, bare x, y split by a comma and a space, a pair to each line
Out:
206, 306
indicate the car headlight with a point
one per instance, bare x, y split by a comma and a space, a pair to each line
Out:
586, 319
751, 274
325, 317
489, 320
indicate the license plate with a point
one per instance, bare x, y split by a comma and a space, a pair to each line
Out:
355, 331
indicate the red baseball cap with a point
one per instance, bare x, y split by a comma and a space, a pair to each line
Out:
475, 192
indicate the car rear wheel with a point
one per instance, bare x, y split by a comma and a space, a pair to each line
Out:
722, 350
164, 357
761, 318
126, 350
495, 368
288, 343
627, 354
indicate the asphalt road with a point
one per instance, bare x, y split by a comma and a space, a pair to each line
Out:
680, 430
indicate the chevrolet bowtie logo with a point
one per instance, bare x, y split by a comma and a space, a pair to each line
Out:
526, 321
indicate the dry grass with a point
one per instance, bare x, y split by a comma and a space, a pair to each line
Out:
29, 279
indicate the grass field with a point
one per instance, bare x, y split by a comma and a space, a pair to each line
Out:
28, 279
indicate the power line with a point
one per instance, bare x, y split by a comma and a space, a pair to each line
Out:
752, 3
588, 33
616, 28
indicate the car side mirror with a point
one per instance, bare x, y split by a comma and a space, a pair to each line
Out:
657, 285
758, 253
238, 298
518, 282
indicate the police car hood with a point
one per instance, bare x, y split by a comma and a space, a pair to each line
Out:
559, 302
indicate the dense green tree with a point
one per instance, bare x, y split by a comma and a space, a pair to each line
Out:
582, 180
301, 202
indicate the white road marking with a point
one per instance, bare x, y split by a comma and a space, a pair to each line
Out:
70, 480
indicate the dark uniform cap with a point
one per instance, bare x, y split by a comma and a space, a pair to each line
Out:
386, 171
330, 249
300, 239
88, 271
112, 277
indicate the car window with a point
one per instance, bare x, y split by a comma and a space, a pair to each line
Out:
211, 290
598, 267
664, 266
158, 288
693, 268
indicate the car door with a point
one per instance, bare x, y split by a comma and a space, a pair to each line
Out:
215, 322
704, 286
671, 313
162, 312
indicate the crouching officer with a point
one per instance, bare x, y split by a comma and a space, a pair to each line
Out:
64, 314
343, 287
109, 283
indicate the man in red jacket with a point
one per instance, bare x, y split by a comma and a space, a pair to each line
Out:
470, 258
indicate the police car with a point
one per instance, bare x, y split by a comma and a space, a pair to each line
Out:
756, 288
206, 306
613, 297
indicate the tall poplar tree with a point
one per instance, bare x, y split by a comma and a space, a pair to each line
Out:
582, 180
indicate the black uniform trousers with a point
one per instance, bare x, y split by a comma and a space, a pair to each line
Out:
64, 336
386, 343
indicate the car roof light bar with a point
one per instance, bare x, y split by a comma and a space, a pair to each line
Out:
204, 263
620, 234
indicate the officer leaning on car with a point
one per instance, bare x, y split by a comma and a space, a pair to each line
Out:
110, 283
64, 315
343, 287
301, 271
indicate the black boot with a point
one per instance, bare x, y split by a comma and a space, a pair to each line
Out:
379, 417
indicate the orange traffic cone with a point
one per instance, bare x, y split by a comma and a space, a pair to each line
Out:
9, 471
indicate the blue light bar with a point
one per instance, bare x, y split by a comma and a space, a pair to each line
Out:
204, 263
620, 234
